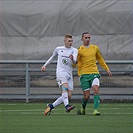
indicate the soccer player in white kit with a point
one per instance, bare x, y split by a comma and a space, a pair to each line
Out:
67, 56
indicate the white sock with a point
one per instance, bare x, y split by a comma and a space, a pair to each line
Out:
58, 101
65, 98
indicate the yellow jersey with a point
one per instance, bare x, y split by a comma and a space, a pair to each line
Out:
87, 58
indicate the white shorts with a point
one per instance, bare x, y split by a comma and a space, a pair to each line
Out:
65, 78
95, 82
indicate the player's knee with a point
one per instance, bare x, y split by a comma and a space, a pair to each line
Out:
86, 97
96, 89
64, 88
86, 94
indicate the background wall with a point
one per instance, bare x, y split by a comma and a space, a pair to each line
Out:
32, 29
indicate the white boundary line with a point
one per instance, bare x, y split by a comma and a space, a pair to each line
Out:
30, 110
64, 113
29, 104
40, 111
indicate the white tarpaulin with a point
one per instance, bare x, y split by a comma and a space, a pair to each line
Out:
32, 29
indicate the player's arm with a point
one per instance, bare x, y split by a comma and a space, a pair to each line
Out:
73, 57
102, 62
43, 68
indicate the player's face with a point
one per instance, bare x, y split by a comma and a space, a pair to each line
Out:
86, 39
68, 42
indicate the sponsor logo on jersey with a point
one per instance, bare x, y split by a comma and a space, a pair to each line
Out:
65, 62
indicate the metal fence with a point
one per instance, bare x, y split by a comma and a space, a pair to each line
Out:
23, 79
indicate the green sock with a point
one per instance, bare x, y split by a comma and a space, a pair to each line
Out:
96, 101
84, 103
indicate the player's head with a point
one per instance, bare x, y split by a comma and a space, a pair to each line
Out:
68, 40
86, 38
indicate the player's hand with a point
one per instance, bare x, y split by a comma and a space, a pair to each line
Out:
71, 57
109, 73
43, 68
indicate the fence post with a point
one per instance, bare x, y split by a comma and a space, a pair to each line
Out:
27, 83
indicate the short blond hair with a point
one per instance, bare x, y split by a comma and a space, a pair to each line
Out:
68, 36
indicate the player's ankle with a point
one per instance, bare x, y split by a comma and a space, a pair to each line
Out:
51, 106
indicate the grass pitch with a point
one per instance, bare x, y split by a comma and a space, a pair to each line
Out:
29, 118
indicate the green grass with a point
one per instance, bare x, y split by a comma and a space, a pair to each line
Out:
29, 118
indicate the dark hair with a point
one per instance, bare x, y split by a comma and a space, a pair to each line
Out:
85, 33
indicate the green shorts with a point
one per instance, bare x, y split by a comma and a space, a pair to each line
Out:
87, 79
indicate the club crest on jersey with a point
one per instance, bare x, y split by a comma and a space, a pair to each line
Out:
65, 62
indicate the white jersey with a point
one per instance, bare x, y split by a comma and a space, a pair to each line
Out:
64, 63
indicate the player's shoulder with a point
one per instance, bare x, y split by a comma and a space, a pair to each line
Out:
73, 48
80, 47
59, 48
94, 46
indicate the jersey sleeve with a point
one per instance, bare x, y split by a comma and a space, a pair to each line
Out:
75, 56
101, 60
51, 58
79, 63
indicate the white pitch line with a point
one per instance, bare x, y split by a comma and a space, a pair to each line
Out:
29, 104
26, 113
21, 110
58, 109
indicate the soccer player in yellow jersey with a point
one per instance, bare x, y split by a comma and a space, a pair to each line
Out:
88, 55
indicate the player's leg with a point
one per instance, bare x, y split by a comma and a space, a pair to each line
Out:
65, 97
53, 105
60, 81
85, 85
58, 101
65, 93
64, 80
86, 94
95, 87
70, 90
69, 95
70, 87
